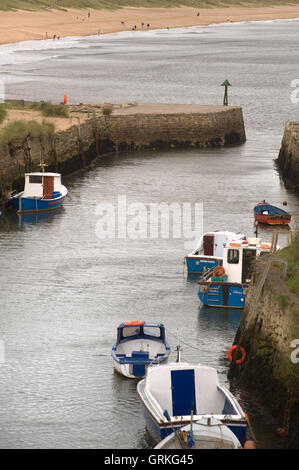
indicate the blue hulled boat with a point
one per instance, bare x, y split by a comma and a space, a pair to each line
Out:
175, 394
209, 252
42, 192
138, 345
228, 284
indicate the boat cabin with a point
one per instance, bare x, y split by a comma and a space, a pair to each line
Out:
211, 243
129, 331
238, 257
42, 185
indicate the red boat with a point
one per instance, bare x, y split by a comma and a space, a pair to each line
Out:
267, 214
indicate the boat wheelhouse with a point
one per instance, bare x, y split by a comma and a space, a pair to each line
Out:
228, 285
43, 191
209, 252
138, 345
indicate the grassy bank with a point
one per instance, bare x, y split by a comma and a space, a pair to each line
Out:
116, 4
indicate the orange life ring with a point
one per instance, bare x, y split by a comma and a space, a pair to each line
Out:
134, 323
219, 271
235, 244
233, 348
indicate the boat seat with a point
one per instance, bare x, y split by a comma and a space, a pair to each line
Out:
160, 354
120, 355
140, 354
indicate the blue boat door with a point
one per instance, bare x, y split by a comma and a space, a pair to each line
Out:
183, 392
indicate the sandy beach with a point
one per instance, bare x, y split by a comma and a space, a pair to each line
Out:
25, 25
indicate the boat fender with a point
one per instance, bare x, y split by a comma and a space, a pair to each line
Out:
233, 348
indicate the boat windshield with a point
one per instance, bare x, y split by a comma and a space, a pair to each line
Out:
152, 331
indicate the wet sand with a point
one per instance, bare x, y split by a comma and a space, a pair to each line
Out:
27, 25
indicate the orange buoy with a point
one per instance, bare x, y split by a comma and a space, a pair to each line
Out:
219, 271
65, 99
249, 445
134, 323
233, 348
281, 432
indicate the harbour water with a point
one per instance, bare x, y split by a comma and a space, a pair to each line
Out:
64, 291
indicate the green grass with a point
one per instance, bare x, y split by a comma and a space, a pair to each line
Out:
16, 131
48, 109
116, 4
291, 254
3, 113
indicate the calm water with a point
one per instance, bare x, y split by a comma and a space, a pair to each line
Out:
64, 291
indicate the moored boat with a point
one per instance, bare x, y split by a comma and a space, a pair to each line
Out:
228, 285
138, 345
175, 394
209, 252
271, 215
206, 433
43, 191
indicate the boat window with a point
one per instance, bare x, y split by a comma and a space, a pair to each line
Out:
233, 256
35, 179
151, 331
131, 331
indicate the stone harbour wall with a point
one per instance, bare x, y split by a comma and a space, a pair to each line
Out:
124, 130
288, 160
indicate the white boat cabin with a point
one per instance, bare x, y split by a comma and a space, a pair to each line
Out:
238, 257
211, 243
42, 185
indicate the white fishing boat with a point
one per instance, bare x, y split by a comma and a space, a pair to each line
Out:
43, 191
175, 394
206, 433
138, 345
228, 285
209, 252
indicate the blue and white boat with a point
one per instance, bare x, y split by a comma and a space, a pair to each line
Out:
138, 345
174, 395
209, 252
206, 433
228, 285
43, 191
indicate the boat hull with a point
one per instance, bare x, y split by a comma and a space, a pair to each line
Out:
24, 204
272, 220
134, 370
222, 294
199, 264
160, 431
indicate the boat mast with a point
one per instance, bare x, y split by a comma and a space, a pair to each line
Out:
42, 165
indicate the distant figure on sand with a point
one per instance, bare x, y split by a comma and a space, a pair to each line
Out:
122, 22
148, 25
198, 14
142, 24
